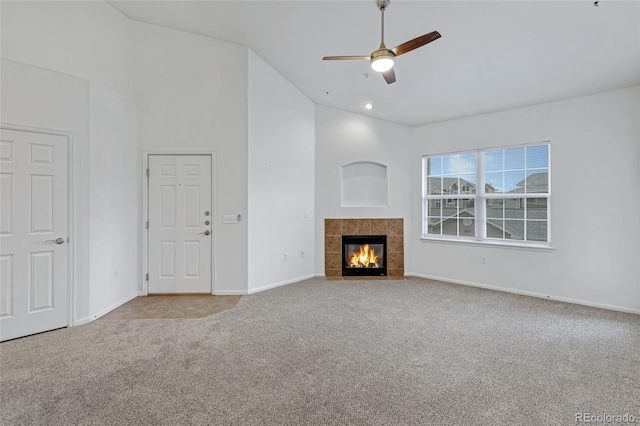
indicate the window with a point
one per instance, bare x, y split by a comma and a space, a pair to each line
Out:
488, 195
447, 209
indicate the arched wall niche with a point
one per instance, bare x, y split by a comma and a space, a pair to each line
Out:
364, 184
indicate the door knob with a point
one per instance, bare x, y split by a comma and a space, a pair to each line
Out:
58, 240
207, 232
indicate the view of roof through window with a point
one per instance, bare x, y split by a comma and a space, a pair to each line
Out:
514, 201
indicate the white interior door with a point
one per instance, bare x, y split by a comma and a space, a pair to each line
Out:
180, 224
33, 233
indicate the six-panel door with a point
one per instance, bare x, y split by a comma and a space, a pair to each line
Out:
33, 233
180, 224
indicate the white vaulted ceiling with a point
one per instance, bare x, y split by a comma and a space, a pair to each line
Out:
493, 55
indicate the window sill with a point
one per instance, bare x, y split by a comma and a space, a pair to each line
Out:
509, 245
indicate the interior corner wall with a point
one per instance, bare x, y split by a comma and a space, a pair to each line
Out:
343, 138
281, 179
115, 200
595, 172
190, 101
69, 68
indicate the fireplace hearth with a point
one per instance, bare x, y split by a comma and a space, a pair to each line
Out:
364, 255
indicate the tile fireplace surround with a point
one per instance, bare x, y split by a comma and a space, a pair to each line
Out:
334, 229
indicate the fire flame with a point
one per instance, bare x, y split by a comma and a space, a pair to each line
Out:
365, 258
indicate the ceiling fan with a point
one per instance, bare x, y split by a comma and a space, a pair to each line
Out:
382, 59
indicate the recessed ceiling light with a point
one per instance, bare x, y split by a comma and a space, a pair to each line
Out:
367, 105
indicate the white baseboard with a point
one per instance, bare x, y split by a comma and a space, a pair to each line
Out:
263, 288
526, 293
81, 321
281, 283
105, 311
231, 293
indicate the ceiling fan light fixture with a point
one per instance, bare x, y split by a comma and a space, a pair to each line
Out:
382, 62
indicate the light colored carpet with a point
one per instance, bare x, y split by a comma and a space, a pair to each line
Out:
412, 352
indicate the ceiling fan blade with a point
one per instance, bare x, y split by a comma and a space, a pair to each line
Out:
389, 76
345, 58
410, 45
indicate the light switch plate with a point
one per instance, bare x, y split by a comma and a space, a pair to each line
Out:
229, 218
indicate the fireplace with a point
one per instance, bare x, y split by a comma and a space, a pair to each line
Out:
335, 229
364, 255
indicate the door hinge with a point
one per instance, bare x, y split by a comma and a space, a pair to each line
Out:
147, 225
147, 277
147, 172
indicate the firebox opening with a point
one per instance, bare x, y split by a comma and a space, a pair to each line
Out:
364, 255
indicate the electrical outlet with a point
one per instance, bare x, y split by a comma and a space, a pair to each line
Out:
483, 260
301, 254
286, 256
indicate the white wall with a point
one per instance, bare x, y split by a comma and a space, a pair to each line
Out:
89, 39
342, 138
93, 42
595, 143
189, 100
281, 179
115, 200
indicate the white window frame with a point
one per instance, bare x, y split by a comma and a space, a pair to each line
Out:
480, 198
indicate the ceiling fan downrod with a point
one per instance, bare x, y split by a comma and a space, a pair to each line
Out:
382, 5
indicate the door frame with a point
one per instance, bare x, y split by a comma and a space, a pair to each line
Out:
71, 187
145, 213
